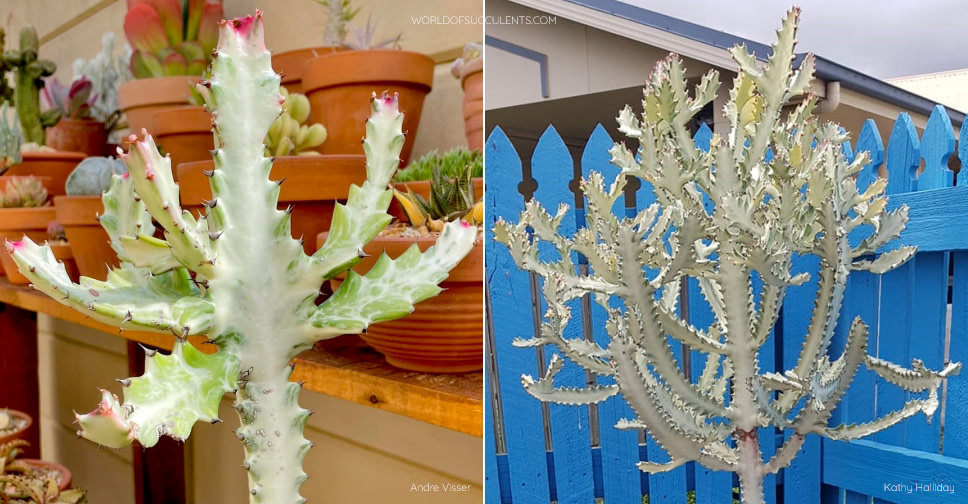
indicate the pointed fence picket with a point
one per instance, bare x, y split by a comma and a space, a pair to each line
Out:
564, 454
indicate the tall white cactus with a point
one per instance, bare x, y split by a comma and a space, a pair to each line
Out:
238, 276
730, 218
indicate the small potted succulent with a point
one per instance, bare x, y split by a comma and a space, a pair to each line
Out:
290, 63
469, 69
33, 481
24, 210
77, 130
443, 333
13, 424
79, 214
416, 177
338, 85
29, 72
173, 42
106, 72
314, 183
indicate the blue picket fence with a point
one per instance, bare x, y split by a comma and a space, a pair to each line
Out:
539, 453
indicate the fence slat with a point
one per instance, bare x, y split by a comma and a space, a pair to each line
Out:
619, 448
510, 298
712, 487
963, 156
937, 145
552, 167
956, 406
903, 159
869, 140
801, 479
926, 339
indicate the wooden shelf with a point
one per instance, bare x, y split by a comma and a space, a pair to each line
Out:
343, 367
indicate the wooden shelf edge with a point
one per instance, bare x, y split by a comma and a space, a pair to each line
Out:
341, 368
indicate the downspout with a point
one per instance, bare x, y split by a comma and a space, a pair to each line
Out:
832, 99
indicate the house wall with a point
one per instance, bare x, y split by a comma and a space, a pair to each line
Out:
73, 29
581, 60
362, 454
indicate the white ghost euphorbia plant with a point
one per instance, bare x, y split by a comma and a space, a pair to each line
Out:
732, 218
237, 276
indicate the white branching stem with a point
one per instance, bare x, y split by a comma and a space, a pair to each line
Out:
750, 468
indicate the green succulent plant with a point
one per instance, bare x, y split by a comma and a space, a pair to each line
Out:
451, 198
289, 134
20, 484
29, 72
449, 163
11, 139
24, 192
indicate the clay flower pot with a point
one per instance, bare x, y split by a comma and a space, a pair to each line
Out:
313, 186
88, 241
78, 135
422, 187
141, 98
290, 64
185, 133
15, 223
56, 165
20, 422
443, 333
472, 82
339, 87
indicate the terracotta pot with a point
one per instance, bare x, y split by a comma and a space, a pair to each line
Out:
64, 479
472, 82
290, 65
89, 242
443, 334
19, 417
339, 87
185, 133
17, 222
56, 165
313, 186
62, 252
78, 135
141, 98
422, 187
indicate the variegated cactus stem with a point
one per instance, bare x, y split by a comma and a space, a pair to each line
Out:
238, 276
732, 219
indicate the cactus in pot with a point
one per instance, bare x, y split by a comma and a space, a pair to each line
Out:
92, 177
29, 73
11, 140
24, 192
238, 276
288, 134
731, 218
451, 198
